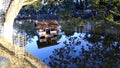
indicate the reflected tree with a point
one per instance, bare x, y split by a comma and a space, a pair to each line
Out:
25, 27
75, 55
69, 25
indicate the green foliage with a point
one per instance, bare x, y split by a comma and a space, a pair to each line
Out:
69, 25
117, 22
109, 18
67, 11
81, 23
37, 4
96, 2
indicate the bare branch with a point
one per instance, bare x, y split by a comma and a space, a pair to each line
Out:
28, 3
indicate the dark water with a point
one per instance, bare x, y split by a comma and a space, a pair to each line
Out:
98, 48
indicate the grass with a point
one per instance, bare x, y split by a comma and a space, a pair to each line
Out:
25, 61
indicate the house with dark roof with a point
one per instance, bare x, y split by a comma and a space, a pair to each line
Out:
47, 29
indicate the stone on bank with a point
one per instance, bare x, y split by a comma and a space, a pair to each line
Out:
4, 62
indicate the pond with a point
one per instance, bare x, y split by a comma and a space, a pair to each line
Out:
98, 48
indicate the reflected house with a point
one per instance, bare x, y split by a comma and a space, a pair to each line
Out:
47, 32
47, 43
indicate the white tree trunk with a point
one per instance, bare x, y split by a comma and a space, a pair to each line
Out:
8, 32
11, 14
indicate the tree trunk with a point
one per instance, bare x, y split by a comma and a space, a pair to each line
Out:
9, 20
8, 31
11, 14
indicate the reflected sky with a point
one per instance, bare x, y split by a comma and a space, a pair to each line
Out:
40, 53
94, 49
78, 50
43, 53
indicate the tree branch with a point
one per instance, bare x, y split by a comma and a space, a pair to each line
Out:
28, 3
114, 12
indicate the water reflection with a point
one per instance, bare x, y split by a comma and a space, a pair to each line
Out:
78, 53
25, 27
94, 49
48, 42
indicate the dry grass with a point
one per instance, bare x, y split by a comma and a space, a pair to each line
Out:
28, 61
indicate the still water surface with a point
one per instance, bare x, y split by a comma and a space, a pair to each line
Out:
79, 50
99, 48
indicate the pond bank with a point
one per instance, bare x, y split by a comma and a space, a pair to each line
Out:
28, 61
